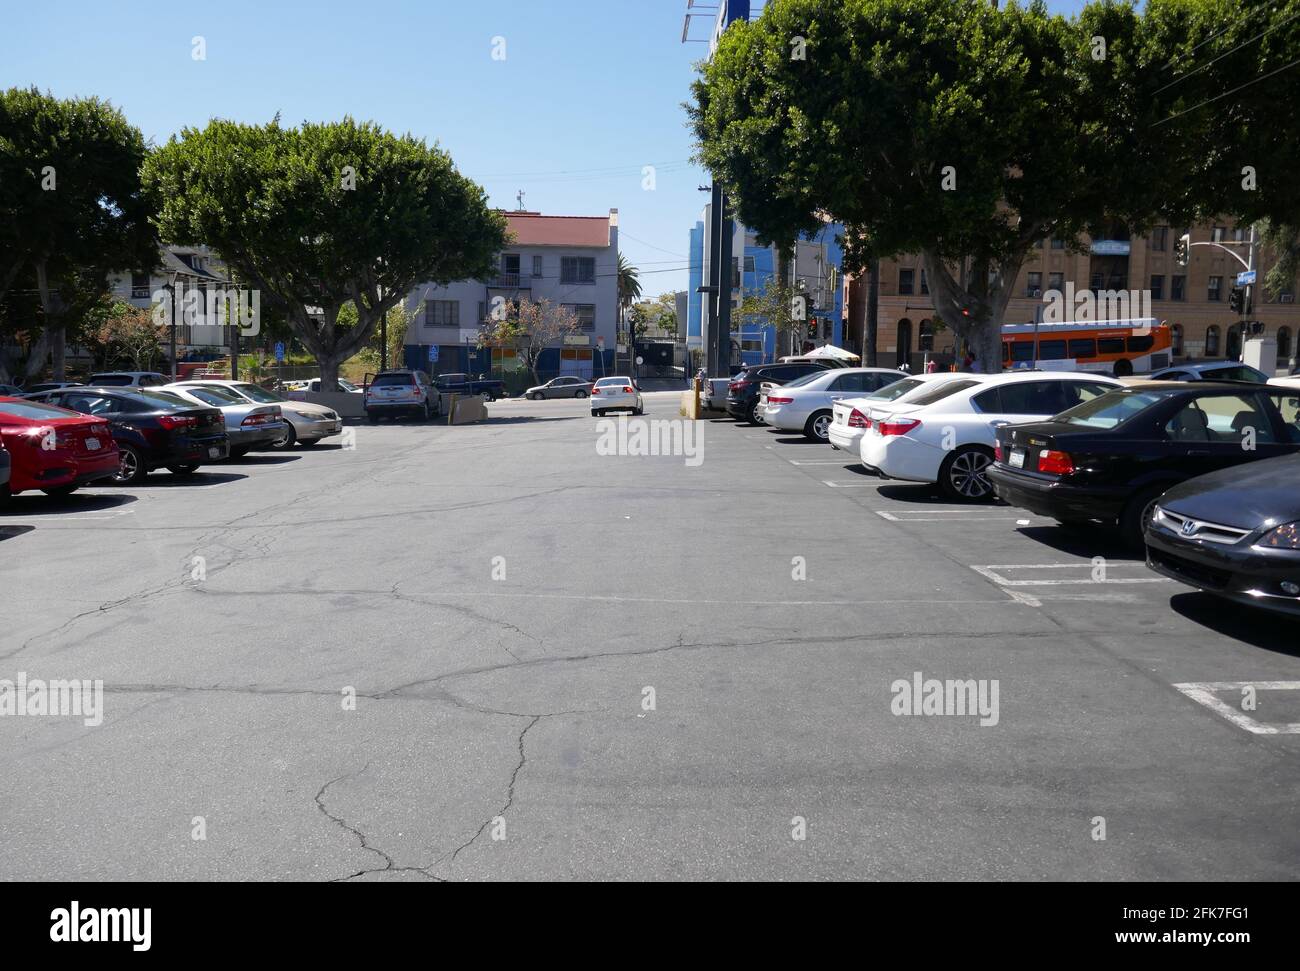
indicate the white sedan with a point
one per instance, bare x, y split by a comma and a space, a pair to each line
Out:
804, 405
616, 394
949, 439
849, 417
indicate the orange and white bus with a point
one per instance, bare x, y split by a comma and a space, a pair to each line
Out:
1118, 347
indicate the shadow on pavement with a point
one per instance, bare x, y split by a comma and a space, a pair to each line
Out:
9, 532
39, 504
1085, 541
261, 458
165, 480
1259, 628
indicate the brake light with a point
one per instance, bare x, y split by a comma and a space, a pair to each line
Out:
900, 427
997, 452
778, 401
1057, 463
627, 390
858, 420
260, 419
172, 422
595, 391
738, 385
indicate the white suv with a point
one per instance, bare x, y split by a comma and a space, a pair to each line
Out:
402, 393
950, 440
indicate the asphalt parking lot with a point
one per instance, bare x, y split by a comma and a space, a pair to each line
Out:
575, 665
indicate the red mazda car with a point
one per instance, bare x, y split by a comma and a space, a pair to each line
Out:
53, 449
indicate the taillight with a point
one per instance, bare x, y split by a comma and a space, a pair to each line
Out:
1056, 463
737, 385
900, 427
172, 422
260, 419
627, 390
858, 420
997, 452
778, 401
595, 391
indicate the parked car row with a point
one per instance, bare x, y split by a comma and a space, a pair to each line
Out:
60, 439
1200, 473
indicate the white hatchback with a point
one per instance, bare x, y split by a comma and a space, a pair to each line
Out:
616, 394
949, 440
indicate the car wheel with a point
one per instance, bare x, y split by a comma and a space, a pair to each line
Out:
286, 440
535, 396
1123, 369
581, 394
819, 426
182, 470
131, 468
58, 492
372, 418
962, 476
638, 411
1137, 513
751, 414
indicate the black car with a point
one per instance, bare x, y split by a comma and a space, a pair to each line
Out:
1109, 458
152, 429
1234, 533
742, 392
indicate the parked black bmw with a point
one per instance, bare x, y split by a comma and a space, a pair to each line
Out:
1110, 458
152, 429
1234, 533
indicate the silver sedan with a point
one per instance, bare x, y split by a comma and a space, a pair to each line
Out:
565, 387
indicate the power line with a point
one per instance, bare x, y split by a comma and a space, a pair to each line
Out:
1220, 31
606, 168
1193, 73
1225, 94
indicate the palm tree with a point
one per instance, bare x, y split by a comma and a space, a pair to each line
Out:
629, 287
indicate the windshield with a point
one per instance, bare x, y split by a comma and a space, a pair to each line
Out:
1109, 410
259, 394
215, 396
34, 409
892, 392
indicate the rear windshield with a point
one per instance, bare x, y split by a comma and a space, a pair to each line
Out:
605, 381
155, 398
111, 380
942, 390
1109, 410
35, 409
215, 396
1240, 372
260, 394
896, 390
391, 380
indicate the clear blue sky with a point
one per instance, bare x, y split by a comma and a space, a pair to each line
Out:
589, 92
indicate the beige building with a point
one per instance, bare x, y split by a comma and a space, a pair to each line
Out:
1192, 299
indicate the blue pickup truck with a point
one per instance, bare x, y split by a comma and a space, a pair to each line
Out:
464, 384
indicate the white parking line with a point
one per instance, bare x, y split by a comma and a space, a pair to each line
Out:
846, 461
933, 516
850, 485
1204, 693
990, 572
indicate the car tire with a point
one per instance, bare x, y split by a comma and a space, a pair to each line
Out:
962, 478
132, 469
58, 492
239, 452
581, 394
751, 414
535, 396
1123, 369
818, 426
288, 441
372, 418
184, 471
1135, 515
638, 411
599, 413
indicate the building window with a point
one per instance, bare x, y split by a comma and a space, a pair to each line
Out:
482, 312
1034, 288
1284, 343
1240, 234
1160, 238
1176, 339
585, 312
1217, 234
577, 269
1212, 341
1056, 281
506, 359
1157, 286
1058, 243
441, 313
1178, 288
1214, 292
905, 281
140, 286
537, 266
749, 264
925, 284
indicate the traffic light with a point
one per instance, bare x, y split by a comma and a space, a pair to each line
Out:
1237, 300
812, 328
1182, 248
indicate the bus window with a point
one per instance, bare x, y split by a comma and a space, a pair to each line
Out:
1083, 347
1142, 344
1051, 350
1022, 351
1110, 345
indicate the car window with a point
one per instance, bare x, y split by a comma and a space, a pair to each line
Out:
860, 381
1288, 404
1171, 376
214, 397
1077, 392
1237, 372
1226, 419
111, 380
940, 391
390, 380
1031, 398
91, 404
1117, 407
259, 394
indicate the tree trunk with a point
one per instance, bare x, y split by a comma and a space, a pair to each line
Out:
785, 325
329, 372
873, 313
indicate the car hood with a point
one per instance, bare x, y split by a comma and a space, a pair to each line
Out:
1243, 496
306, 408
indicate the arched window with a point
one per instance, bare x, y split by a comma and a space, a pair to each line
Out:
1283, 343
904, 342
1176, 339
1212, 341
1233, 351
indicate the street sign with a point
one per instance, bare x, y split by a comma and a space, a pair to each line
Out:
433, 353
1245, 278
279, 352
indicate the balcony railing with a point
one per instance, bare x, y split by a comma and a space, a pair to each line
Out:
506, 281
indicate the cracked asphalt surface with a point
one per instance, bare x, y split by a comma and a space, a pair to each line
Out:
513, 707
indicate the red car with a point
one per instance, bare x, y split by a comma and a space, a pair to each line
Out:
53, 449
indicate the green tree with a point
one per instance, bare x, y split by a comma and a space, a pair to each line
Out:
72, 209
129, 334
529, 328
944, 127
323, 215
629, 284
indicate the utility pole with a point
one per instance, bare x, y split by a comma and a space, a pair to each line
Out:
725, 290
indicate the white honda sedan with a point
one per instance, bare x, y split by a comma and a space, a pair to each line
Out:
804, 405
616, 394
849, 417
950, 440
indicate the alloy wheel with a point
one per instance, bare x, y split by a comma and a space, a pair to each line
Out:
967, 475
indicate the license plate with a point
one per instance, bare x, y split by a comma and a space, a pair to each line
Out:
214, 453
1017, 458
92, 444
